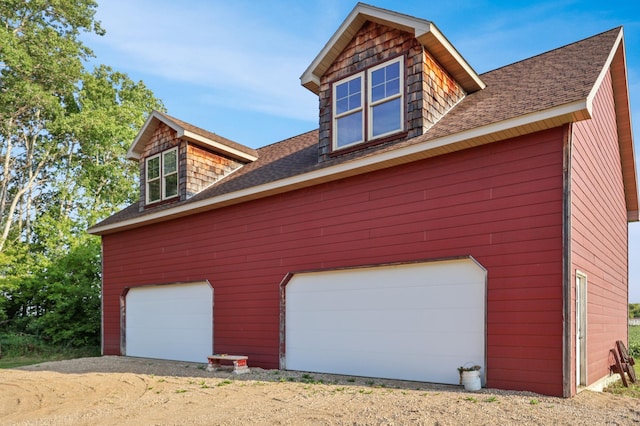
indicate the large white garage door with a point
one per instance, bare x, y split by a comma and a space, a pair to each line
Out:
170, 322
416, 321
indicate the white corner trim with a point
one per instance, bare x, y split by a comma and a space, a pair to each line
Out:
353, 167
603, 72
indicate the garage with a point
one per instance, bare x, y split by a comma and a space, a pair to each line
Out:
416, 321
172, 322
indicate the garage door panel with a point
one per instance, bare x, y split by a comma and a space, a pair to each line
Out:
460, 297
408, 366
170, 322
375, 321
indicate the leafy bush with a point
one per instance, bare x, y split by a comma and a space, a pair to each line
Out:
26, 346
634, 350
15, 345
634, 341
55, 299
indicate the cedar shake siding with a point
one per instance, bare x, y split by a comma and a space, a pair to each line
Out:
430, 91
198, 168
500, 203
599, 231
204, 168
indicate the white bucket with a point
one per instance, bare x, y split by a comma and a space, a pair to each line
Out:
471, 380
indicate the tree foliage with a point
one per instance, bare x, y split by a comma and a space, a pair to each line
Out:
64, 133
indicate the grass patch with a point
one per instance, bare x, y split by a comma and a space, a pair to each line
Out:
634, 341
308, 378
633, 390
21, 349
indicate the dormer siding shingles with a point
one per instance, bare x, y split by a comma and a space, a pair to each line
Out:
198, 168
203, 168
430, 91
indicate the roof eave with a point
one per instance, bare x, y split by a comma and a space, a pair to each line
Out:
616, 64
624, 126
145, 133
494, 132
424, 31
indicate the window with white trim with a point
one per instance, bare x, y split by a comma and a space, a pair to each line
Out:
369, 105
162, 176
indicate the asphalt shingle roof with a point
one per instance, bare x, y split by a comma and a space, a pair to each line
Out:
555, 78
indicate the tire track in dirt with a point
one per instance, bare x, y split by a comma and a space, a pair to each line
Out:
119, 390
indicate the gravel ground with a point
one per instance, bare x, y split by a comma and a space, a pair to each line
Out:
121, 390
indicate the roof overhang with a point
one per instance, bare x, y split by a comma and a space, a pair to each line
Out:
154, 120
424, 31
506, 129
616, 64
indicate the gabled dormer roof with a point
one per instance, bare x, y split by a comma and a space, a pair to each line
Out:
191, 133
424, 31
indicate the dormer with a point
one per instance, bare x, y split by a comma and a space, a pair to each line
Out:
384, 77
178, 160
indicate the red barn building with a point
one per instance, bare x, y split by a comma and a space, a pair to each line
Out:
437, 217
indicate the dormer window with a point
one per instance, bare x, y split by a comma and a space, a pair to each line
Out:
162, 176
369, 105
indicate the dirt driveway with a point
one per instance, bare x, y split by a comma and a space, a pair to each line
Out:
120, 390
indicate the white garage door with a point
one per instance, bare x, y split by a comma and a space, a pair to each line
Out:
416, 321
170, 322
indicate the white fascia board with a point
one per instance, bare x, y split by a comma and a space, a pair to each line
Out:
352, 166
308, 75
363, 12
455, 54
131, 153
603, 72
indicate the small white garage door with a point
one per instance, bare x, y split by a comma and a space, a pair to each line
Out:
170, 322
417, 321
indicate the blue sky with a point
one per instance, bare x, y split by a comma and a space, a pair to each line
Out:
233, 67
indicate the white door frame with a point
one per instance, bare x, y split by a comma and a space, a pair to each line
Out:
581, 329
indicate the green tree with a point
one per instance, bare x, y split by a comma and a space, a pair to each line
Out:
634, 310
70, 303
41, 63
64, 133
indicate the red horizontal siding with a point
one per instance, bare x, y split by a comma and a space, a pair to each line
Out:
599, 231
501, 203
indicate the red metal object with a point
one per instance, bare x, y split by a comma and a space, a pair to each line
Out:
627, 361
617, 367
